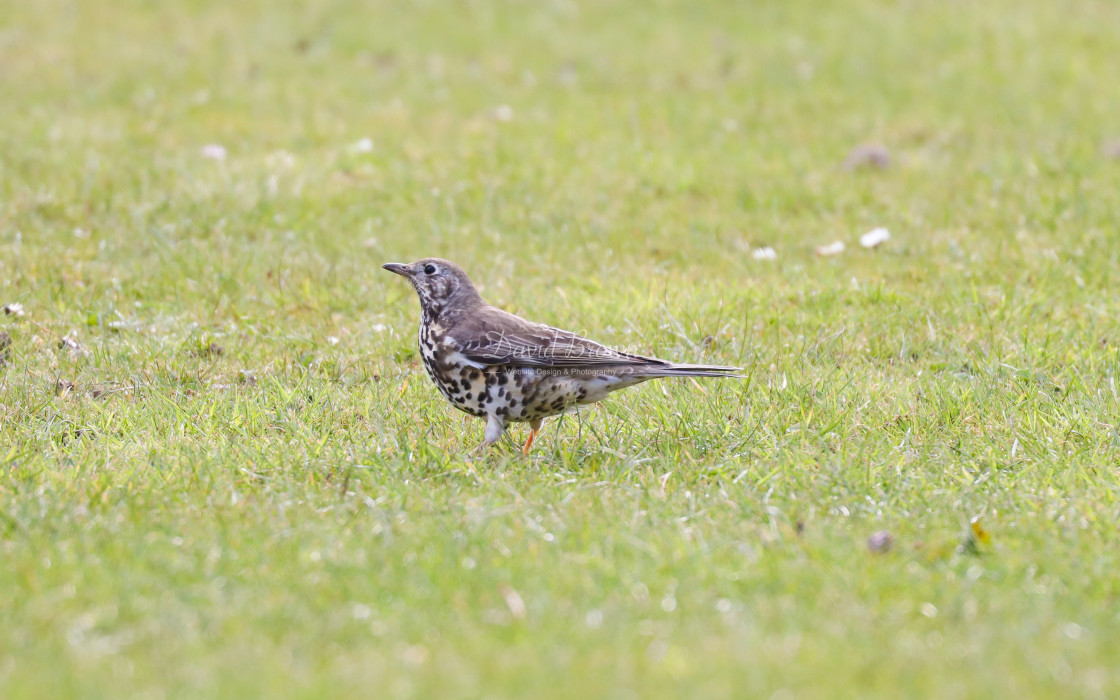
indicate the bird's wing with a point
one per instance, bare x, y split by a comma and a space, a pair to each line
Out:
495, 337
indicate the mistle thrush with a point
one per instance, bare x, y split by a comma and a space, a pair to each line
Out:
494, 365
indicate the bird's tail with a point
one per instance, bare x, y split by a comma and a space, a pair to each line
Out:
677, 370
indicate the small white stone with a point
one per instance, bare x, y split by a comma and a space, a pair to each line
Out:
281, 159
360, 611
874, 238
834, 248
869, 155
593, 619
513, 601
880, 542
364, 145
214, 151
766, 253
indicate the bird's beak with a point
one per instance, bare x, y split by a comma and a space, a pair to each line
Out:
399, 268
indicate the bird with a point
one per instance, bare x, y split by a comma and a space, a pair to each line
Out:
494, 365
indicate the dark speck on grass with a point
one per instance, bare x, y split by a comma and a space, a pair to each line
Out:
385, 61
868, 155
208, 350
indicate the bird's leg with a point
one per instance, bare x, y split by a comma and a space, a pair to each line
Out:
533, 428
494, 430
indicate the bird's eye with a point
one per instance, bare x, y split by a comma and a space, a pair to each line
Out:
429, 269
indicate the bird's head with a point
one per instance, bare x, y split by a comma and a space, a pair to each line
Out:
441, 284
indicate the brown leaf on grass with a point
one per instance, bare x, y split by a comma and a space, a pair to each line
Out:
977, 540
979, 532
868, 155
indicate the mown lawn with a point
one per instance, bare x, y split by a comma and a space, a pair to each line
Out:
225, 474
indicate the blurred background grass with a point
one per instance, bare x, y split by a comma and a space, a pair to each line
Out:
241, 483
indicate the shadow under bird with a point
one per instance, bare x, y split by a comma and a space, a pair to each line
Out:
494, 365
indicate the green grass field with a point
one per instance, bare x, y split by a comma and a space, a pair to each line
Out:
234, 480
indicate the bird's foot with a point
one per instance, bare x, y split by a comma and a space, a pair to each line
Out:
534, 428
477, 453
529, 443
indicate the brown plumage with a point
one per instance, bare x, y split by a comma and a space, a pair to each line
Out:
494, 365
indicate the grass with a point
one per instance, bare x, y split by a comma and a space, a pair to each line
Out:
238, 482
